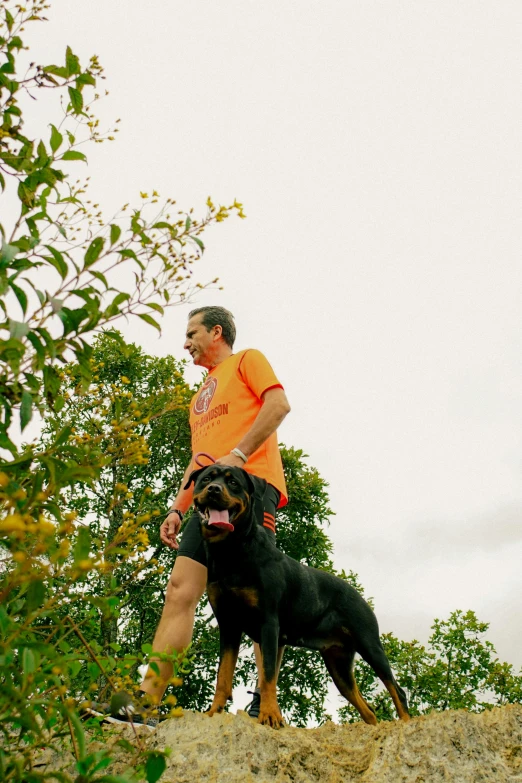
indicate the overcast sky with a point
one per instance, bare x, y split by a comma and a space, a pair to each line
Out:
376, 148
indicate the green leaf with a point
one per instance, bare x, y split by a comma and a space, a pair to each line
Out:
100, 276
57, 70
8, 252
39, 348
76, 99
20, 295
62, 436
28, 658
198, 242
79, 732
128, 253
188, 223
115, 233
35, 595
119, 298
56, 138
9, 20
93, 251
149, 320
51, 382
17, 329
26, 409
25, 194
155, 766
82, 546
146, 649
58, 261
73, 155
157, 307
59, 403
72, 63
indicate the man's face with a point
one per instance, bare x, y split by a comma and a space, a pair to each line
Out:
199, 342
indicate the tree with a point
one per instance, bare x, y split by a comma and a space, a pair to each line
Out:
65, 274
458, 670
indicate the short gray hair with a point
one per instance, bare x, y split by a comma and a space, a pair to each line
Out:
212, 315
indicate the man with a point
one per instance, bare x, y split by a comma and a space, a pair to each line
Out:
234, 417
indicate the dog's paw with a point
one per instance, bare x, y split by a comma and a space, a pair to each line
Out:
273, 718
213, 710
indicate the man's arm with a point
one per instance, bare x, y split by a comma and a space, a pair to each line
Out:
170, 526
275, 408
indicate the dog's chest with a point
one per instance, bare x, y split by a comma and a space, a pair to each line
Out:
232, 595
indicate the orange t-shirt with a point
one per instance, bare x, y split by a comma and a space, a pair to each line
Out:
225, 408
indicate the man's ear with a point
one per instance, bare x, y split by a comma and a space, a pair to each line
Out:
193, 477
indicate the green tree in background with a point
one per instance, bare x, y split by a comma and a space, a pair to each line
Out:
457, 670
66, 273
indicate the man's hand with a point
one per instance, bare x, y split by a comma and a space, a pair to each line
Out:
232, 460
169, 530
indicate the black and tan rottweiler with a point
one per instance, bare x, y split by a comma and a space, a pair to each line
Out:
256, 589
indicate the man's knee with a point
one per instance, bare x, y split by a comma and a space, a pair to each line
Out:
182, 593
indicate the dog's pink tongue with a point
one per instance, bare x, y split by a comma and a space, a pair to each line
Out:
219, 519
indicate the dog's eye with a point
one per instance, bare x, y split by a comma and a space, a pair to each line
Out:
232, 482
205, 479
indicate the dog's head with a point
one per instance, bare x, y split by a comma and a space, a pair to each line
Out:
223, 497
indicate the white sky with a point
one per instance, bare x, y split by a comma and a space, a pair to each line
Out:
376, 148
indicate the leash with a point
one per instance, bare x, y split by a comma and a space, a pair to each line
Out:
203, 454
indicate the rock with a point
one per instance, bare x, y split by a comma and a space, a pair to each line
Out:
456, 747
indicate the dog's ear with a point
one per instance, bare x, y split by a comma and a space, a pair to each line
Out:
193, 477
252, 485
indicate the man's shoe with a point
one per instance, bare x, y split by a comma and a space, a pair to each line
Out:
253, 708
121, 710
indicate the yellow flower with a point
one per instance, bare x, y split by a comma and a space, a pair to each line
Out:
4, 480
12, 524
124, 379
177, 712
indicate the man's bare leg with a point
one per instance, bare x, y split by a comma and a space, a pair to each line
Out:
174, 633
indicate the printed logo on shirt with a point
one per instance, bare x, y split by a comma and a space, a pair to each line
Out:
205, 395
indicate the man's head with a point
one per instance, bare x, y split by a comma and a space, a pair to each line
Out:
210, 335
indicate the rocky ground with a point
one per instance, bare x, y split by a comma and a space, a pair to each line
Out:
452, 746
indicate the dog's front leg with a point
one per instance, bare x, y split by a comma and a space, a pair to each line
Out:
229, 640
269, 713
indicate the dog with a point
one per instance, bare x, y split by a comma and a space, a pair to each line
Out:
255, 589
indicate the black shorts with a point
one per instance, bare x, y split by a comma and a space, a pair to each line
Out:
266, 500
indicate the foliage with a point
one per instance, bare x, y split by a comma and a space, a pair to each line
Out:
65, 268
457, 670
65, 274
135, 414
